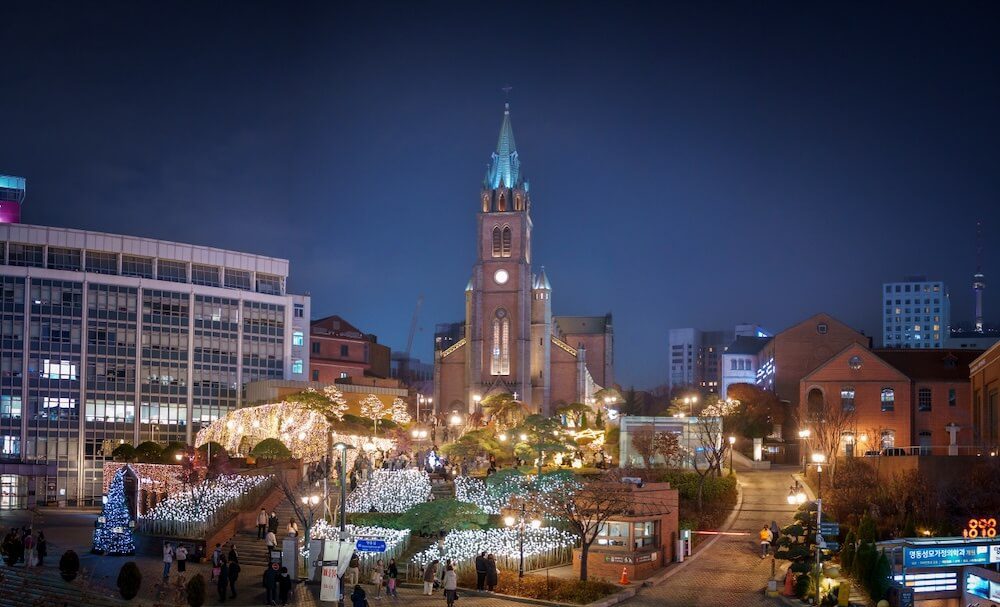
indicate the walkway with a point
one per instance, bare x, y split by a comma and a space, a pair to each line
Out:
730, 571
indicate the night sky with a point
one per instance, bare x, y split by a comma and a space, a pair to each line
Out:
698, 164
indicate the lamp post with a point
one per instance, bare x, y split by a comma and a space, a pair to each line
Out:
520, 521
309, 501
819, 459
690, 401
732, 441
343, 447
804, 436
796, 495
476, 398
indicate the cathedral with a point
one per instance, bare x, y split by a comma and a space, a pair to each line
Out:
510, 341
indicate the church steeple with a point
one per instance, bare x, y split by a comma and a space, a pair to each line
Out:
504, 187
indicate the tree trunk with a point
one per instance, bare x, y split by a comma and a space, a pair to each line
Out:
701, 489
584, 554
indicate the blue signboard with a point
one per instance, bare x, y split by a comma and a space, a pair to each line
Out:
946, 556
370, 546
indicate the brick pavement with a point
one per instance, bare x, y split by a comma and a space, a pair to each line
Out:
730, 571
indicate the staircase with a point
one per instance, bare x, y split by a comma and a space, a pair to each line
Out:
253, 551
37, 586
441, 488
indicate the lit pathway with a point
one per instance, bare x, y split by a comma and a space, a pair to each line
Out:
730, 571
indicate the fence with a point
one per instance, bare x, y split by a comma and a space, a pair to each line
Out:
553, 557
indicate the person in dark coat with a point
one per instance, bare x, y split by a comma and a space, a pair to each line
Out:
271, 584
42, 549
234, 573
223, 580
284, 586
491, 573
272, 523
481, 571
358, 597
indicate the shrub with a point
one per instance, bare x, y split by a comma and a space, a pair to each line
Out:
124, 453
864, 562
171, 450
196, 591
69, 565
129, 580
430, 517
149, 452
544, 588
271, 448
803, 584
878, 581
866, 530
216, 449
847, 552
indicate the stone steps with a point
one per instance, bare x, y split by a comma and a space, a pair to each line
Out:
22, 586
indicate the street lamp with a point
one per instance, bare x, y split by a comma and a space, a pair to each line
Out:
309, 501
804, 436
520, 521
343, 447
476, 399
819, 459
732, 441
796, 495
690, 401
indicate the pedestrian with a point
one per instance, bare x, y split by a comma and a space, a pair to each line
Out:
358, 598
765, 541
293, 527
29, 550
481, 571
168, 558
270, 541
450, 585
261, 524
222, 581
180, 555
43, 548
491, 573
377, 572
775, 532
216, 557
284, 585
392, 573
272, 522
353, 570
233, 555
271, 583
234, 574
430, 572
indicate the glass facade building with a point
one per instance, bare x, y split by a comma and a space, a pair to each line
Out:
107, 339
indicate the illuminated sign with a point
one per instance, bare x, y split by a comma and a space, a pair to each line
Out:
980, 527
946, 556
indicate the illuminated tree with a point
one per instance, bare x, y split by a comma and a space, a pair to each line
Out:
400, 412
374, 409
504, 411
113, 534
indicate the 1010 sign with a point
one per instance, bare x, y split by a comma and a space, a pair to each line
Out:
980, 528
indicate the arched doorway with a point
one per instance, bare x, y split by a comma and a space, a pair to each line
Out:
814, 403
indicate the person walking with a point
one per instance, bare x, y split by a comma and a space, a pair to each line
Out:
271, 584
392, 574
234, 574
168, 558
42, 548
180, 555
430, 572
775, 532
450, 585
271, 541
29, 550
377, 572
491, 572
481, 571
223, 580
284, 586
765, 541
261, 523
353, 571
272, 523
358, 597
216, 558
233, 555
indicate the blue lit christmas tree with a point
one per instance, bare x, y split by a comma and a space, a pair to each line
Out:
113, 534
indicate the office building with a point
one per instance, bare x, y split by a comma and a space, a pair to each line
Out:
696, 356
107, 339
12, 190
916, 313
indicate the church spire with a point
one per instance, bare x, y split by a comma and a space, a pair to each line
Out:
505, 168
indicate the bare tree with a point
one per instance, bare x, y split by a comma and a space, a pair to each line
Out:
828, 423
642, 439
650, 444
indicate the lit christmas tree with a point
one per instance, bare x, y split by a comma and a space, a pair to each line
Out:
113, 534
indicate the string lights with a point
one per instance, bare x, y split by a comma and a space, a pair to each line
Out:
390, 491
113, 534
201, 504
493, 497
547, 545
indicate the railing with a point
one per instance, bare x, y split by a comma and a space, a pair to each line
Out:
553, 557
939, 450
203, 529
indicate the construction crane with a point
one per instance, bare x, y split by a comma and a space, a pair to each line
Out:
413, 325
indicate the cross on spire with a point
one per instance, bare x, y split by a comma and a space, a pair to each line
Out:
506, 91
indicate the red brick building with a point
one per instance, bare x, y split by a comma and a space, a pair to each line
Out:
985, 376
338, 350
901, 398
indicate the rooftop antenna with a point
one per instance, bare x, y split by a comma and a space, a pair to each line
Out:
978, 280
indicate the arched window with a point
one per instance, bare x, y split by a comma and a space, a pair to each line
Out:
505, 249
496, 241
888, 399
502, 202
500, 348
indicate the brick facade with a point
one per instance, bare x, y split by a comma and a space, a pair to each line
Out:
985, 389
339, 350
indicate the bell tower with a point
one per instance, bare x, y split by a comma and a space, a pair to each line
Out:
498, 323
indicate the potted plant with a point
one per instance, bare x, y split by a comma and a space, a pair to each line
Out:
129, 580
69, 565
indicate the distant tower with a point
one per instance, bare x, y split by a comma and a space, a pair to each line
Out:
11, 198
978, 280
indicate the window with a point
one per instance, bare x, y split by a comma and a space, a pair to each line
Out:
297, 366
500, 349
505, 246
644, 534
298, 338
888, 399
344, 375
237, 279
10, 407
25, 255
315, 375
315, 347
613, 534
924, 399
733, 365
174, 271
300, 311
137, 266
497, 237
847, 399
888, 439
344, 350
205, 275
11, 447
854, 363
822, 328
58, 369
952, 397
268, 284
102, 263
64, 259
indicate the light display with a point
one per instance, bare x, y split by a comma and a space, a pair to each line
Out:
542, 547
301, 430
201, 505
374, 409
113, 534
390, 491
396, 540
156, 478
495, 496
400, 412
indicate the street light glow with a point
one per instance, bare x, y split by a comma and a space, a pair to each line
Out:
509, 521
818, 458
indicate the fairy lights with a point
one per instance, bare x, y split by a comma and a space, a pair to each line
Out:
396, 540
200, 505
155, 478
463, 546
493, 497
390, 491
113, 534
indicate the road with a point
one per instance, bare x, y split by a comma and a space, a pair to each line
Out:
730, 571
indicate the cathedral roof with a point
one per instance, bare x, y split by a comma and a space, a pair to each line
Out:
541, 281
583, 325
505, 167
